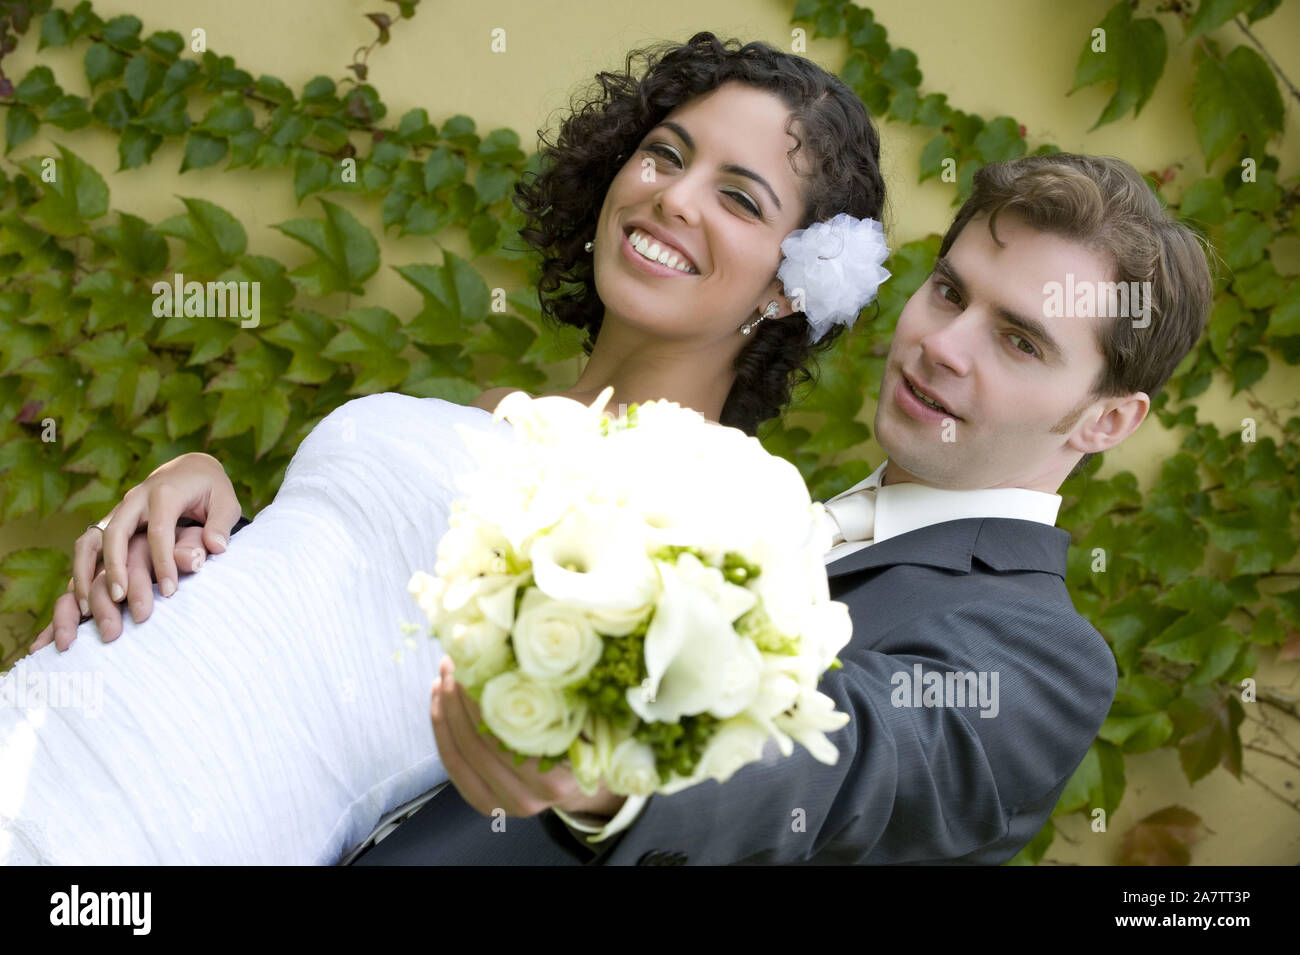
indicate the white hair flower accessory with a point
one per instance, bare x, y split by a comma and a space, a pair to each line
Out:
835, 267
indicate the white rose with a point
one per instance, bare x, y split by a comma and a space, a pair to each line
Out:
554, 642
479, 648
632, 769
530, 718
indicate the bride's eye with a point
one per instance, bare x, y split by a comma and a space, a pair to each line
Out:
659, 149
744, 200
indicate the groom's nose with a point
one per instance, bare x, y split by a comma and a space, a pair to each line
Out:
951, 344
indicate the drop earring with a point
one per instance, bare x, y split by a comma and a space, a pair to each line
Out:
769, 312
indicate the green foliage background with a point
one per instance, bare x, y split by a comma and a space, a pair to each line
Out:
1199, 571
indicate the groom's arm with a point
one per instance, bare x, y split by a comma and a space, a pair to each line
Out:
912, 784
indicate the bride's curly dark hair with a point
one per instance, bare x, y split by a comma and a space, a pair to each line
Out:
562, 203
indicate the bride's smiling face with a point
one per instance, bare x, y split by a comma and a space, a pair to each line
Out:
713, 186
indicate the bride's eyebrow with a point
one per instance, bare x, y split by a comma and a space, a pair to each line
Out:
728, 167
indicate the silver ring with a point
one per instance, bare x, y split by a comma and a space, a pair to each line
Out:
102, 525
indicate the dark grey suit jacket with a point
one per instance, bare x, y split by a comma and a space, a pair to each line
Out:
913, 784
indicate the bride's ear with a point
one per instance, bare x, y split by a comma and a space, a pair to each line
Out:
775, 292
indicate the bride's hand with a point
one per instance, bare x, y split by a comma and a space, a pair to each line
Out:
193, 485
62, 629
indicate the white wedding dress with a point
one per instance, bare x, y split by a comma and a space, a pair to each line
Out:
273, 709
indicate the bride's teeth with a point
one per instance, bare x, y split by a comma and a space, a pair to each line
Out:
656, 253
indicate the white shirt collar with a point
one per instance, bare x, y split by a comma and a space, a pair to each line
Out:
905, 507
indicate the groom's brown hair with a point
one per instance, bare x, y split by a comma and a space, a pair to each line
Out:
1104, 204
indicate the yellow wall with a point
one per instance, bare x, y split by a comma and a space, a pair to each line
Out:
1014, 57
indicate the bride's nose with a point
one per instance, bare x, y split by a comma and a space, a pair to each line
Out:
677, 199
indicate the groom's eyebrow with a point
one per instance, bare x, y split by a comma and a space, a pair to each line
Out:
729, 167
946, 273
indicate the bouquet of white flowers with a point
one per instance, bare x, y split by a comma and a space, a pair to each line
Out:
644, 595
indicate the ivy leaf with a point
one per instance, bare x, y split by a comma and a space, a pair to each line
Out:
500, 147
1163, 838
443, 168
1134, 58
506, 336
187, 408
202, 150
228, 115
455, 299
936, 151
424, 384
264, 411
1205, 201
167, 116
1000, 139
103, 63
78, 194
121, 373
493, 183
68, 112
1212, 14
414, 128
1249, 368
1207, 725
347, 253
166, 43
54, 29
214, 238
34, 578
138, 247
1097, 783
1234, 97
136, 146
275, 291
1199, 639
123, 31
1227, 316
144, 77
38, 87
114, 109
20, 125
311, 173
371, 341
305, 334
836, 435
1245, 237
1285, 319
1036, 848
459, 130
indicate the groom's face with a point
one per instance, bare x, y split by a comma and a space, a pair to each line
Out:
1014, 383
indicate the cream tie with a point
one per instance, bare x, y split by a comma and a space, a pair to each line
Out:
855, 516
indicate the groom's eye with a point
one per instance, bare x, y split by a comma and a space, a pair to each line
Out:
947, 292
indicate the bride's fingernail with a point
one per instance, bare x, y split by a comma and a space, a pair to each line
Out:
168, 586
117, 592
196, 559
85, 607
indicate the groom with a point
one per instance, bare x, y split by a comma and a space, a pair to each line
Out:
974, 688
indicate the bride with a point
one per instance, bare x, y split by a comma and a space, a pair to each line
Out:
270, 711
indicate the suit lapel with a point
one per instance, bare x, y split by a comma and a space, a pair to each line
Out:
1001, 543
